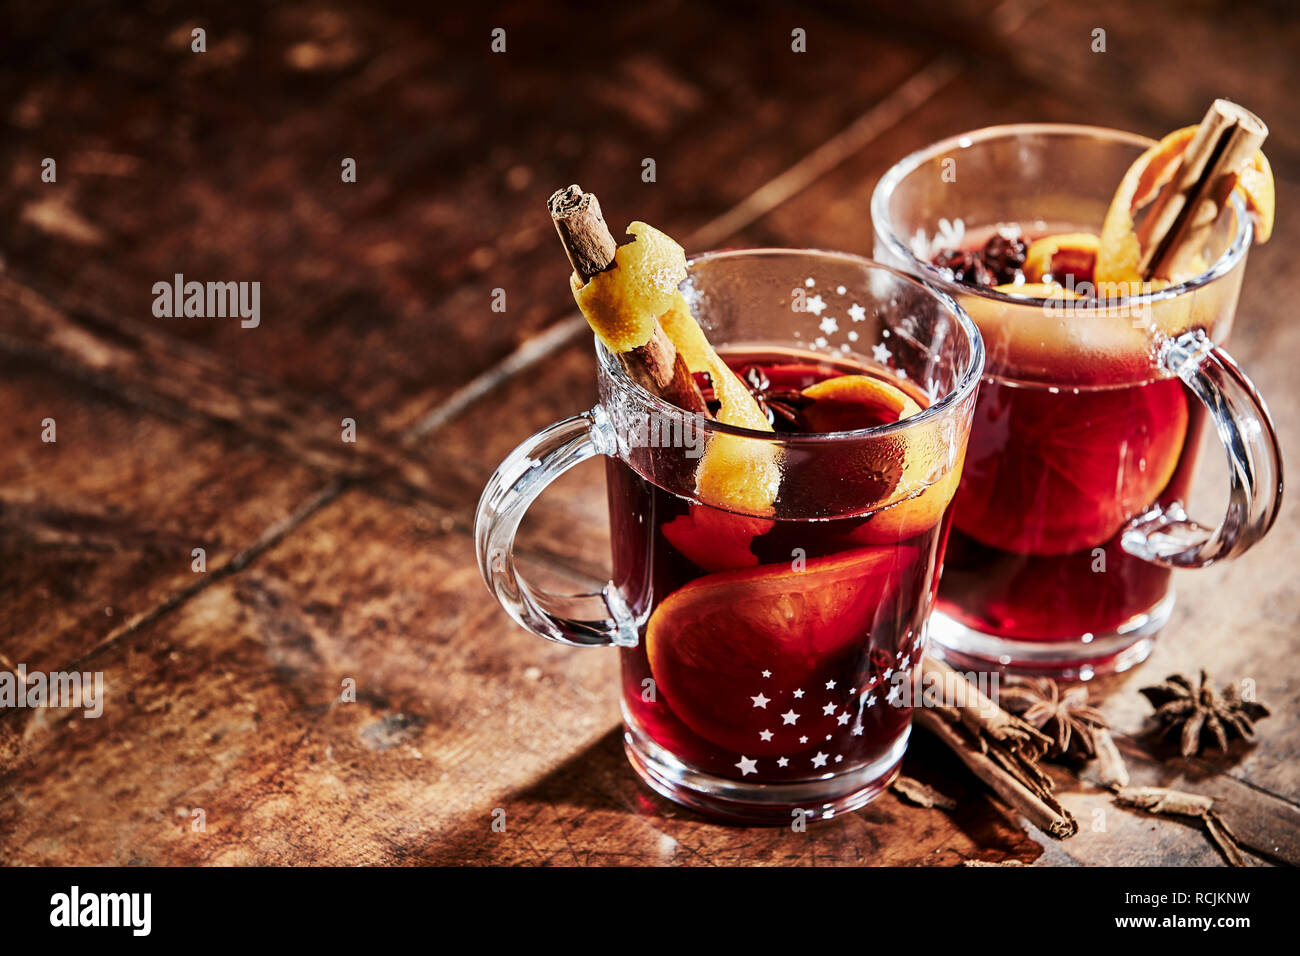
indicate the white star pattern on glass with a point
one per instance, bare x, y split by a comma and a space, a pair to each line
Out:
880, 352
803, 740
789, 717
839, 757
828, 709
888, 671
871, 701
830, 685
857, 313
842, 719
814, 304
765, 735
798, 694
747, 766
782, 762
829, 325
767, 673
810, 282
950, 234
760, 701
857, 730
820, 759
895, 694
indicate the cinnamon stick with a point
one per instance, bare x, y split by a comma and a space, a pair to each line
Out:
656, 365
1041, 809
1180, 217
981, 715
998, 747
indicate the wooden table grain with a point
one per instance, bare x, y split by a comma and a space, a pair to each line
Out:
333, 685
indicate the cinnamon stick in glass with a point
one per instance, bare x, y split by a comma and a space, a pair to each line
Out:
1181, 216
655, 365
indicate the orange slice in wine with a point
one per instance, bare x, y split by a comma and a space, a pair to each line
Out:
1057, 473
912, 515
1071, 253
710, 642
716, 540
850, 402
854, 475
735, 473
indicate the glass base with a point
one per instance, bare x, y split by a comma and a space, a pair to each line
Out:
1076, 658
766, 804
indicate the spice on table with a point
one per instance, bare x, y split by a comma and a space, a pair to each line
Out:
1164, 802
921, 794
1199, 715
998, 747
1063, 715
1077, 730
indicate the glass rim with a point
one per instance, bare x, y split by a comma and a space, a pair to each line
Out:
966, 384
898, 246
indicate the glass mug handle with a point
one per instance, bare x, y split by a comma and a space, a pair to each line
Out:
1166, 535
517, 482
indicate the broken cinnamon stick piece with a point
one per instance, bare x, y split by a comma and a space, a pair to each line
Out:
655, 365
1181, 216
921, 794
1162, 801
1111, 768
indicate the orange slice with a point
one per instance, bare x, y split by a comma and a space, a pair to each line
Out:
1037, 290
855, 475
912, 515
850, 402
1255, 183
710, 642
1070, 253
735, 474
1119, 253
716, 540
1062, 473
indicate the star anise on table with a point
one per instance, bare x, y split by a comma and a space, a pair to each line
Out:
1200, 715
1063, 715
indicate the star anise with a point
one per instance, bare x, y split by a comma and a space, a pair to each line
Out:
1063, 715
1200, 715
783, 406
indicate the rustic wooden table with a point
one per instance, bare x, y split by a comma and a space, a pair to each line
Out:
330, 561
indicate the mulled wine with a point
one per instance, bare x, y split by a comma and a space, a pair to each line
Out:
1057, 467
776, 649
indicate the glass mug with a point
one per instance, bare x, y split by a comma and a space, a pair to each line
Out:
1069, 518
769, 659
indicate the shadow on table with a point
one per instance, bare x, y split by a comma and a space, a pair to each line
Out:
594, 810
